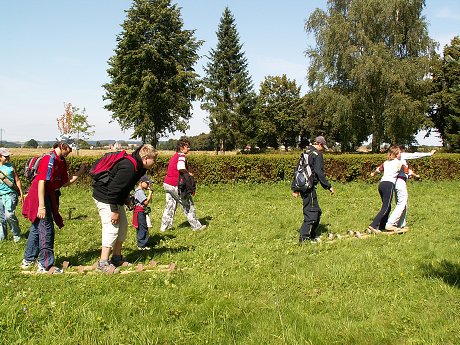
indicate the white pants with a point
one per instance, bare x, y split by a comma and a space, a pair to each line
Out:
112, 233
398, 216
172, 199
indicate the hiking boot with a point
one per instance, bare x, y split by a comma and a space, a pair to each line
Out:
106, 267
390, 227
200, 228
26, 264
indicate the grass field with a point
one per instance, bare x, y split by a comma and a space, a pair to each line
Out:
245, 280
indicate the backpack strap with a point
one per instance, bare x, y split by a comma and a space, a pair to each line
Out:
133, 160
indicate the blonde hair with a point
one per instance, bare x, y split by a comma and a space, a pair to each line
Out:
393, 152
147, 151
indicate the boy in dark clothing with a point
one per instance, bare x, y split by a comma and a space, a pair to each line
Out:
110, 198
311, 209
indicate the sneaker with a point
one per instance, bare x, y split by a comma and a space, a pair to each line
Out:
315, 240
144, 248
26, 264
51, 270
16, 239
200, 228
390, 227
374, 231
106, 267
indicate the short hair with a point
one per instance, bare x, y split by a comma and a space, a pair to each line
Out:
62, 145
393, 152
182, 143
148, 151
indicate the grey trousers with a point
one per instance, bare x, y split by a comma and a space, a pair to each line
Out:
172, 199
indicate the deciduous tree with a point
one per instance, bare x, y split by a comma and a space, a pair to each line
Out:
278, 112
375, 56
445, 112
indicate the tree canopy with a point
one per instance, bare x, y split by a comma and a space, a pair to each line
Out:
278, 112
371, 58
445, 112
152, 78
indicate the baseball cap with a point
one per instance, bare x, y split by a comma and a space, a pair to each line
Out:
4, 152
145, 178
320, 140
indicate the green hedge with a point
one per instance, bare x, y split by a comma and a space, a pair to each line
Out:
272, 168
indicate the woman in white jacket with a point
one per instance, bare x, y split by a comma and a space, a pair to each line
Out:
397, 218
390, 169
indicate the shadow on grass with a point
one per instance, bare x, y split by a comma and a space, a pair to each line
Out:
80, 258
322, 229
203, 221
448, 271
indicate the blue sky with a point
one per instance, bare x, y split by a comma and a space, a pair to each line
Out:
56, 51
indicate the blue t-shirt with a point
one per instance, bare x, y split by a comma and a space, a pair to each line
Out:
140, 197
8, 170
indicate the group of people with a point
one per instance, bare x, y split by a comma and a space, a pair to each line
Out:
395, 174
41, 205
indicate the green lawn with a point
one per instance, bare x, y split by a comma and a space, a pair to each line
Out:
245, 279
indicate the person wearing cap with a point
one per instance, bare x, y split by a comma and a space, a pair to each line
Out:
10, 194
311, 209
141, 218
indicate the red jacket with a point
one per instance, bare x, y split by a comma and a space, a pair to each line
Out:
50, 170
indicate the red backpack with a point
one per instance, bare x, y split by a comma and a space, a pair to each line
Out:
100, 170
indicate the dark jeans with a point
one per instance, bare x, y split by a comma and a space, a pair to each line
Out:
311, 215
142, 230
386, 194
40, 242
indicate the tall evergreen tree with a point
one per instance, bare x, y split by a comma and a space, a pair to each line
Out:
279, 110
445, 113
229, 97
152, 78
375, 56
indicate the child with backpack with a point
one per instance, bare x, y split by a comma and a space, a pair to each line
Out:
312, 157
141, 218
40, 207
10, 194
114, 177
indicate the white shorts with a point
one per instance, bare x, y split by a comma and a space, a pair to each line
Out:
112, 233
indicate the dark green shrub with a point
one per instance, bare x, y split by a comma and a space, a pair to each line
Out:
264, 168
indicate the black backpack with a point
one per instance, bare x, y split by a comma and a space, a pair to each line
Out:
186, 184
303, 174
